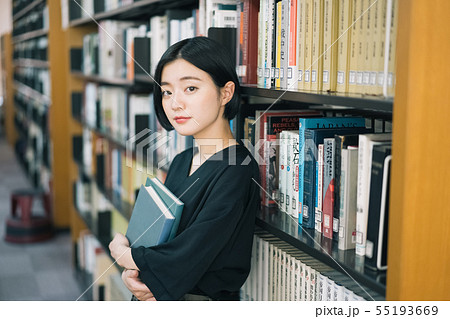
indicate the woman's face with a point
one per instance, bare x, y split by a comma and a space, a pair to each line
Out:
192, 102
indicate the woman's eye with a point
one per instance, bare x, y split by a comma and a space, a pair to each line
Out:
166, 93
191, 89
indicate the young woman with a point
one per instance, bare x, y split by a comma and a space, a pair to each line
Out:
197, 93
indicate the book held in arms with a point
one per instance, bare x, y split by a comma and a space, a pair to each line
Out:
152, 221
174, 204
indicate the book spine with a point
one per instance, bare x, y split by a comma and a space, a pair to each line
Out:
284, 49
261, 43
292, 83
287, 183
344, 45
278, 46
328, 188
300, 43
354, 38
392, 49
363, 176
377, 207
317, 45
282, 171
307, 46
347, 213
309, 181
319, 189
295, 168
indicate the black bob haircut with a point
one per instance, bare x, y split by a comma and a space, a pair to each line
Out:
207, 55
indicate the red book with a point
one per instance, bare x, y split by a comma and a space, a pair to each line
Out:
248, 42
267, 134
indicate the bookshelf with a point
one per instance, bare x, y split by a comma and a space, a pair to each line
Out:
8, 98
29, 93
417, 243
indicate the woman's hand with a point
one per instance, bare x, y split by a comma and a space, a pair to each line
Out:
136, 286
121, 252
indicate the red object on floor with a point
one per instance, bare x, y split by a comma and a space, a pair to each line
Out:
24, 227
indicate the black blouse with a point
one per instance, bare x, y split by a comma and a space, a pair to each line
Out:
211, 253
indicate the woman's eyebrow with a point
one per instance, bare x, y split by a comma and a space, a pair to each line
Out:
184, 78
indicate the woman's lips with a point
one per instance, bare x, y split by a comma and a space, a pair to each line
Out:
181, 119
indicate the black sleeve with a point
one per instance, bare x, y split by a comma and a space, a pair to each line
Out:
172, 269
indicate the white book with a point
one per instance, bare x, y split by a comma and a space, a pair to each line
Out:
159, 39
260, 263
282, 170
270, 272
265, 271
312, 285
348, 190
284, 62
292, 188
365, 146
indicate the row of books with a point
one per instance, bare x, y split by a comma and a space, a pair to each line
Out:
35, 20
36, 49
115, 169
280, 272
130, 120
123, 49
19, 5
317, 45
322, 171
96, 266
33, 149
34, 78
88, 8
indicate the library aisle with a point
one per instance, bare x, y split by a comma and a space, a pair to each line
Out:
37, 271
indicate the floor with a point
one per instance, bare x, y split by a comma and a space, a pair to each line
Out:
38, 271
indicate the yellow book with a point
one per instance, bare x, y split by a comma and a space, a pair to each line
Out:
278, 47
392, 49
362, 75
375, 44
102, 271
301, 42
344, 44
307, 46
353, 63
330, 45
126, 179
317, 45
380, 49
119, 223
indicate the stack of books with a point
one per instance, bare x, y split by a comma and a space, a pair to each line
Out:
155, 217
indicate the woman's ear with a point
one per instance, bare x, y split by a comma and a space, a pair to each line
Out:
227, 92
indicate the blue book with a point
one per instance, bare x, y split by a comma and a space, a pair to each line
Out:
172, 202
314, 137
322, 122
151, 220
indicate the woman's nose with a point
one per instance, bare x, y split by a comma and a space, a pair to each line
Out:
176, 102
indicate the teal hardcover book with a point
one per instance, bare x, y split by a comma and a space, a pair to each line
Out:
173, 203
151, 220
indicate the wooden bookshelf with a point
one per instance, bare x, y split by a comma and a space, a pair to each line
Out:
59, 117
419, 223
419, 254
8, 103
